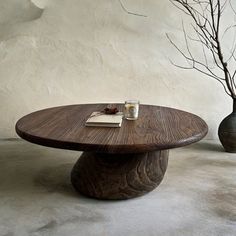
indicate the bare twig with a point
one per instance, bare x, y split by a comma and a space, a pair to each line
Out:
206, 16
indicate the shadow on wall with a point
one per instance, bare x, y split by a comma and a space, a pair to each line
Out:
14, 11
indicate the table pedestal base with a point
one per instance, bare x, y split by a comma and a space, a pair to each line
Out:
118, 176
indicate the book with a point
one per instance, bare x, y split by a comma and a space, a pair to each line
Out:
100, 119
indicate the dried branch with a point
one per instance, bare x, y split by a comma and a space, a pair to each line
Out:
206, 16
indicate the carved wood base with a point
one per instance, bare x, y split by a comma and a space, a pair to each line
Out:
118, 176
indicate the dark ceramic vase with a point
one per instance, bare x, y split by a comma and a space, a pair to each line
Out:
227, 131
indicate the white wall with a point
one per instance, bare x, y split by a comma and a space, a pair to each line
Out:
84, 51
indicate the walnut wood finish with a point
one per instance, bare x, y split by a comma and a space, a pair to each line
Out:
118, 163
157, 128
115, 176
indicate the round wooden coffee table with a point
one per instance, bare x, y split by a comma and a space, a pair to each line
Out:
117, 163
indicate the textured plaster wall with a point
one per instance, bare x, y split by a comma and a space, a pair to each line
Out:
55, 52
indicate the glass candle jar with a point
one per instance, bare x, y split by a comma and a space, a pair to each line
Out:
131, 109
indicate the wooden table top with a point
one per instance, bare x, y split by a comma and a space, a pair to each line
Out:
157, 128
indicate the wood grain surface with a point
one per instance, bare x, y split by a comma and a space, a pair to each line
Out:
157, 128
116, 176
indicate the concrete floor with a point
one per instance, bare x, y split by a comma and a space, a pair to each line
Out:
196, 197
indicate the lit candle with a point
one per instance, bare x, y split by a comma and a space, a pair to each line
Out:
131, 109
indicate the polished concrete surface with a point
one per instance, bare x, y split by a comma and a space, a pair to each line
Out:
197, 196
